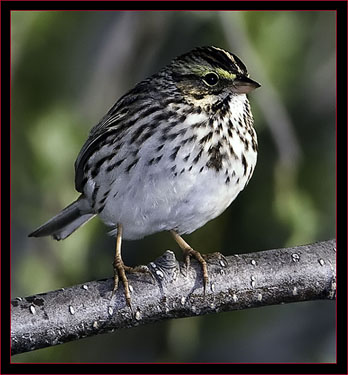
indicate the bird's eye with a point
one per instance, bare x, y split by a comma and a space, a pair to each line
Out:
211, 79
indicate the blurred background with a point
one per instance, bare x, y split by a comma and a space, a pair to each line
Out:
68, 69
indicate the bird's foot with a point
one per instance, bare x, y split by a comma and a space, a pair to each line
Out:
188, 253
120, 273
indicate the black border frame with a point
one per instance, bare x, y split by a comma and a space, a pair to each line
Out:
341, 180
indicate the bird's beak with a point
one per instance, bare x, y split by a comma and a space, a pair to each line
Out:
243, 85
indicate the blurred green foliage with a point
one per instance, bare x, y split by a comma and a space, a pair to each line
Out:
68, 69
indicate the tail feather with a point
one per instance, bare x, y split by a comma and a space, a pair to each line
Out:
65, 222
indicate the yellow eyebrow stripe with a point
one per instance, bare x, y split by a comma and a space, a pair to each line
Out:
224, 74
202, 71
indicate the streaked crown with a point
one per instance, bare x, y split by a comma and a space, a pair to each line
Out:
211, 70
212, 58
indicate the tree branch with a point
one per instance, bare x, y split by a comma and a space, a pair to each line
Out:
269, 277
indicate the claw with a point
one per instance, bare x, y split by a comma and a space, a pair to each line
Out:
188, 253
120, 273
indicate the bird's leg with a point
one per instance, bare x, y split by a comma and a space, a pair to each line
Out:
120, 268
188, 252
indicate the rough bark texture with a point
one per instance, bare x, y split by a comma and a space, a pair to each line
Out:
256, 279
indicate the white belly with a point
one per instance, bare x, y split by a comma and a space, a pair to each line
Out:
150, 201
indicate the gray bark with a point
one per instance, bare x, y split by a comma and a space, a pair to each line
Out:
256, 279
